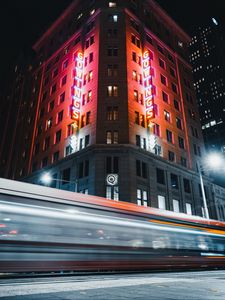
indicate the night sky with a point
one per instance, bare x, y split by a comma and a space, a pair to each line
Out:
23, 21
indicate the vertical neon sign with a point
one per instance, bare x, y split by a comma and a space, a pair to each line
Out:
148, 93
76, 89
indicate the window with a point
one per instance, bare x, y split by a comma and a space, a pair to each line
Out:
87, 140
65, 176
174, 181
53, 89
60, 117
176, 104
90, 26
137, 117
55, 157
176, 207
112, 192
71, 129
68, 150
183, 161
44, 162
112, 91
81, 146
138, 140
46, 143
134, 56
134, 75
65, 64
156, 129
167, 116
162, 64
62, 97
55, 73
165, 97
171, 58
83, 169
187, 186
142, 198
160, 49
58, 136
88, 117
89, 96
181, 142
82, 123
160, 176
112, 70
135, 41
172, 72
112, 113
161, 202
112, 51
92, 40
188, 209
64, 80
141, 142
171, 156
112, 164
112, 33
163, 79
90, 76
141, 169
142, 120
112, 137
169, 136
174, 88
91, 57
113, 18
179, 123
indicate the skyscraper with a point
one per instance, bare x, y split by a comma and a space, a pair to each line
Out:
112, 109
207, 58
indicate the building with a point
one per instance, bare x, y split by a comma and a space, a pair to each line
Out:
207, 49
112, 109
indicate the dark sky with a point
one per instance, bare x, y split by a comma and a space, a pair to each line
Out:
23, 21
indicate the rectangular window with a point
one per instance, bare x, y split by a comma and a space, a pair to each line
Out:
68, 150
89, 96
167, 116
65, 176
187, 186
58, 136
171, 156
44, 162
64, 79
169, 136
176, 104
62, 97
55, 157
174, 88
160, 176
60, 117
138, 140
183, 161
87, 140
112, 70
165, 97
65, 64
112, 51
134, 56
112, 165
162, 64
161, 202
163, 79
176, 207
46, 143
51, 106
156, 129
142, 198
49, 124
174, 181
112, 90
91, 57
137, 117
172, 72
141, 169
112, 137
179, 123
181, 142
53, 89
88, 117
188, 209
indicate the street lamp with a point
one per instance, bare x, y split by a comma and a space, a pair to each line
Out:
47, 179
212, 162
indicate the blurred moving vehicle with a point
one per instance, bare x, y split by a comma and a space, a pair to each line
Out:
44, 229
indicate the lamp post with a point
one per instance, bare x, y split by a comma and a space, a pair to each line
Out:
212, 161
47, 179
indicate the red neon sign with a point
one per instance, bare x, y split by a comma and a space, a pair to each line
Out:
76, 89
148, 94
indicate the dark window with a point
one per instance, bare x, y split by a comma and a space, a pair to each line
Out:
187, 186
183, 161
88, 117
138, 140
179, 123
174, 181
169, 136
176, 104
56, 156
55, 73
64, 80
165, 97
112, 70
51, 105
69, 150
44, 162
60, 116
157, 129
62, 97
174, 88
91, 57
65, 176
163, 79
112, 51
160, 49
195, 149
47, 143
87, 140
112, 165
171, 156
86, 168
137, 118
58, 136
138, 168
172, 72
65, 64
53, 89
181, 142
162, 63
160, 176
134, 56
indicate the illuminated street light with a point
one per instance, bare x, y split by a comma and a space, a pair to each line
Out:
214, 160
46, 178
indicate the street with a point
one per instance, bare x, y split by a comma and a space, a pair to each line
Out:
180, 285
